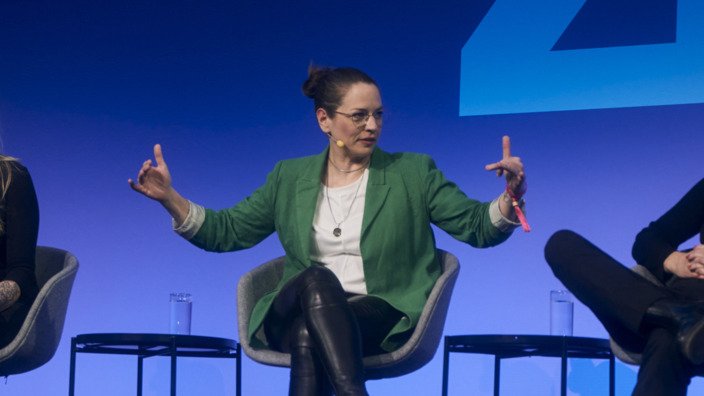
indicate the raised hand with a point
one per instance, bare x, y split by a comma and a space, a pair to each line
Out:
154, 181
511, 167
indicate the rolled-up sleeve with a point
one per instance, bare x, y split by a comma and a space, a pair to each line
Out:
193, 222
499, 220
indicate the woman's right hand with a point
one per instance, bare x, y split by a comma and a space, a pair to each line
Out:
154, 181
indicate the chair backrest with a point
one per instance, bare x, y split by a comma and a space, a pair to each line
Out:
414, 354
621, 353
39, 336
251, 287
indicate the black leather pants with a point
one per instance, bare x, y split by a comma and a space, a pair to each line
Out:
327, 333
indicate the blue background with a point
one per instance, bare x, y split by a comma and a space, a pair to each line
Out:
88, 87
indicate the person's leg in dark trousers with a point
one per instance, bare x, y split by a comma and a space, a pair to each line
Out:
664, 371
327, 336
616, 295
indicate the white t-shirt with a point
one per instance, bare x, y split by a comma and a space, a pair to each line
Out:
341, 254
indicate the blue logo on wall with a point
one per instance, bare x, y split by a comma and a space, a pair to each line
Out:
550, 55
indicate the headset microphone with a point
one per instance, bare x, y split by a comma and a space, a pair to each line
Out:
339, 143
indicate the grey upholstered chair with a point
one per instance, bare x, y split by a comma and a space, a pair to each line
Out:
622, 354
39, 336
414, 354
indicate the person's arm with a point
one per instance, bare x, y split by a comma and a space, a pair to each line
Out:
656, 246
21, 228
479, 224
155, 183
239, 227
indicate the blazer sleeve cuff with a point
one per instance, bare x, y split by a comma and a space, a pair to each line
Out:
499, 220
193, 222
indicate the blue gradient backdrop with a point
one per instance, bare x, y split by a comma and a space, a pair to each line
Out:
88, 87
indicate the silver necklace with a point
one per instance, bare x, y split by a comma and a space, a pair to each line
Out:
337, 231
347, 170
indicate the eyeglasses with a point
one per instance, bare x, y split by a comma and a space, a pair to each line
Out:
360, 118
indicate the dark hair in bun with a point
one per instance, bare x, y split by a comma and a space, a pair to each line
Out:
326, 85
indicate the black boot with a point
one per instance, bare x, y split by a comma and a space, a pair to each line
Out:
686, 320
308, 376
339, 347
334, 329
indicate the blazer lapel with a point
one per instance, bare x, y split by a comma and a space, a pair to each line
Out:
377, 190
307, 188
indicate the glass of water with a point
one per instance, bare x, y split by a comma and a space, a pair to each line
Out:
561, 312
180, 313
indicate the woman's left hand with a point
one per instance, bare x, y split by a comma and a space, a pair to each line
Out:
512, 168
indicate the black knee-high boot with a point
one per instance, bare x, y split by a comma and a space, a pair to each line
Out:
334, 329
686, 320
308, 376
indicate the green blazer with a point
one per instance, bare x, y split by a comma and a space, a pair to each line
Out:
406, 193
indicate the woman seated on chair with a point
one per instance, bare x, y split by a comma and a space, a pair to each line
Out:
19, 223
665, 323
354, 222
